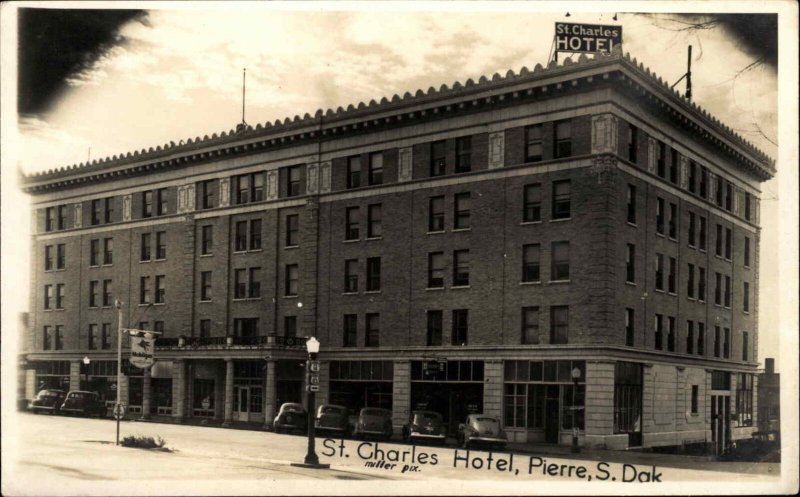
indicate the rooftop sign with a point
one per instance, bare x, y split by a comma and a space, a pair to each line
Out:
572, 37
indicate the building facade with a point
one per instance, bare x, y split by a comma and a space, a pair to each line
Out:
462, 249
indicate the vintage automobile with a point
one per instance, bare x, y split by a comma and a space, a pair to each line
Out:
333, 418
481, 429
291, 417
48, 400
375, 422
84, 404
425, 426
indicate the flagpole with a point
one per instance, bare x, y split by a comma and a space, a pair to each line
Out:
117, 411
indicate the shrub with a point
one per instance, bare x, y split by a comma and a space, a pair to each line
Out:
142, 442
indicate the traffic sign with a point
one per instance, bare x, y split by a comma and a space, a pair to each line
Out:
119, 411
313, 366
313, 388
313, 379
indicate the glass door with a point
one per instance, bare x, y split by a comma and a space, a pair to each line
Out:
241, 403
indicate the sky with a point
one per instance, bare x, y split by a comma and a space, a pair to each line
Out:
142, 79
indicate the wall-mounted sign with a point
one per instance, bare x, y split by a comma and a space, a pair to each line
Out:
571, 37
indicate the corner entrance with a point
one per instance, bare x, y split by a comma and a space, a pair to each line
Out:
451, 388
720, 422
248, 404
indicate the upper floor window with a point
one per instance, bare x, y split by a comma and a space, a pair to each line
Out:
703, 182
438, 160
660, 216
463, 154
292, 277
374, 226
350, 330
718, 241
532, 204
207, 239
692, 176
375, 168
373, 274
661, 160
533, 143
436, 214
47, 338
248, 239
728, 243
97, 211
372, 333
147, 203
672, 278
94, 252
254, 283
702, 237
205, 285
691, 230
728, 196
436, 270
354, 171
434, 332
108, 251
530, 262
161, 290
659, 271
460, 327
144, 290
293, 181
48, 257
559, 324
351, 276
631, 204
290, 326
530, 325
746, 297
292, 230
162, 205
461, 268
632, 142
747, 206
107, 297
207, 194
50, 219
630, 327
249, 188
630, 263
747, 251
659, 332
673, 221
559, 270
161, 245
673, 166
461, 211
563, 139
561, 199
48, 297
351, 224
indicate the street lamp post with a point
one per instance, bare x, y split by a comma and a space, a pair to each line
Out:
86, 362
117, 408
576, 374
311, 460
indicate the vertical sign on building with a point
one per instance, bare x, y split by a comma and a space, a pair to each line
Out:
587, 38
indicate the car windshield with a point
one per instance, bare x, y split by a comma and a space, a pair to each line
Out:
425, 417
375, 412
486, 423
80, 395
331, 410
292, 408
49, 393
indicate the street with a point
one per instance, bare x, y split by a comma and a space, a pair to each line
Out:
66, 455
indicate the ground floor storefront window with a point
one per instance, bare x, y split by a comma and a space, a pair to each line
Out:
248, 391
52, 374
628, 401
744, 399
454, 389
161, 396
289, 382
203, 398
359, 384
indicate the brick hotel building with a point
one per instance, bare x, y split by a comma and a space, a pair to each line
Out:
460, 249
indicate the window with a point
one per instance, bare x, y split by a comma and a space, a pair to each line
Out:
728, 243
659, 332
689, 337
530, 325
242, 235
249, 188
351, 223
532, 206
702, 236
161, 245
239, 284
159, 326
255, 234
463, 154
207, 194
48, 257
748, 206
746, 297
659, 271
437, 165
205, 285
254, 283
701, 338
207, 239
745, 345
630, 264
718, 251
746, 251
673, 166
690, 282
632, 143
354, 171
563, 139
631, 203
672, 279
533, 143
460, 326
461, 211
727, 291
703, 182
691, 229
62, 217
376, 168
292, 275
726, 343
701, 284
144, 290
48, 297
461, 268
661, 158
351, 276
728, 196
205, 328
108, 209
60, 295
374, 227
671, 334
744, 399
561, 199
49, 218
290, 326
695, 397
96, 211
47, 338
162, 205
61, 256
660, 216
108, 251
373, 274
717, 339
94, 294
292, 230
372, 335
692, 176
107, 299
145, 247
240, 244
673, 221
434, 336
436, 270
94, 252
245, 327
719, 192
160, 289
293, 181
105, 342
559, 324
436, 214
350, 330
530, 262
94, 337
559, 270
630, 327
718, 289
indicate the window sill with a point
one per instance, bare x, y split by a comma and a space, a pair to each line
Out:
62, 269
93, 265
660, 234
160, 260
692, 299
673, 239
373, 238
354, 240
206, 255
694, 247
659, 290
561, 219
555, 282
525, 223
459, 287
672, 294
238, 252
372, 292
242, 299
630, 283
142, 262
434, 288
349, 293
632, 225
457, 230
160, 303
205, 301
144, 304
289, 296
745, 266
524, 283
291, 247
743, 312
441, 232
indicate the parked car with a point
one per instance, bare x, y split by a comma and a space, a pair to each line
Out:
425, 426
481, 429
291, 417
84, 404
333, 418
374, 421
48, 400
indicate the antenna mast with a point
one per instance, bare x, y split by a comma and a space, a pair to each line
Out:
687, 75
244, 82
